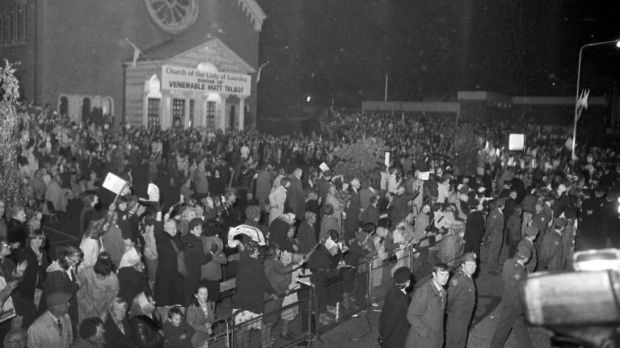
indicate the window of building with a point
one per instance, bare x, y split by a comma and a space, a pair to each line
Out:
211, 115
107, 107
86, 109
178, 109
63, 106
153, 113
13, 26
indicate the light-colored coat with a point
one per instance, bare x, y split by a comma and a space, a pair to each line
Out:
44, 332
425, 315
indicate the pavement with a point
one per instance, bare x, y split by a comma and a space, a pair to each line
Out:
362, 331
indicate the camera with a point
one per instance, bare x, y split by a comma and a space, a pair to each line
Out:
583, 306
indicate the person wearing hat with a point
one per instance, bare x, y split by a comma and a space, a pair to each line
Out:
53, 327
195, 256
461, 302
551, 248
474, 227
511, 318
393, 324
540, 220
494, 235
531, 233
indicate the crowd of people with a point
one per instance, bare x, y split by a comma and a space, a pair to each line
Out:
203, 205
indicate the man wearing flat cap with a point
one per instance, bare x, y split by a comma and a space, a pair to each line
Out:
494, 234
511, 317
393, 324
461, 302
53, 328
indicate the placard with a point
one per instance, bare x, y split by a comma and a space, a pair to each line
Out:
516, 142
114, 183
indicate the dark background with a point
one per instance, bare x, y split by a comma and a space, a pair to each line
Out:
340, 50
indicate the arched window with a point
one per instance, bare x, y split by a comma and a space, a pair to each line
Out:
63, 106
85, 109
107, 107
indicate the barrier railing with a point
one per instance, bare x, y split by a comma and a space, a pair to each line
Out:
326, 299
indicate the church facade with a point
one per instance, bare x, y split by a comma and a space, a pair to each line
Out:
159, 63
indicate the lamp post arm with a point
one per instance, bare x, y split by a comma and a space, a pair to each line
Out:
576, 118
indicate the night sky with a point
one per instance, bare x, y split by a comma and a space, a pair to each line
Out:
340, 50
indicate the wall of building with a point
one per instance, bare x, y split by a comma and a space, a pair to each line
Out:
81, 44
22, 52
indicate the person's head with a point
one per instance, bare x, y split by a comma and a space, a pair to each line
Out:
201, 294
285, 182
175, 315
103, 266
5, 248
16, 338
513, 194
195, 227
58, 303
95, 229
539, 206
468, 263
441, 273
252, 213
524, 252
91, 329
328, 210
402, 277
231, 196
118, 309
298, 172
170, 227
89, 200
18, 213
355, 183
400, 190
143, 304
310, 217
373, 200
69, 257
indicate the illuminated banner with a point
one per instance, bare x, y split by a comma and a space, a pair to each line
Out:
179, 78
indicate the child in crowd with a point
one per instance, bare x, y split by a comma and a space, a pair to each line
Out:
177, 332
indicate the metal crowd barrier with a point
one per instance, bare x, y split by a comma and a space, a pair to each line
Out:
318, 310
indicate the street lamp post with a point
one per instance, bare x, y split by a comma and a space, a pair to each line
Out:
576, 118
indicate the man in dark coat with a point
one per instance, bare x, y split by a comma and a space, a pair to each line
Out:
474, 228
511, 317
426, 311
194, 256
295, 194
393, 325
461, 303
169, 287
494, 234
551, 248
352, 220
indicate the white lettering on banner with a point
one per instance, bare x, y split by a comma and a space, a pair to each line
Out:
187, 79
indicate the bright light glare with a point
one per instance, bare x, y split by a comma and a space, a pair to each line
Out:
596, 260
618, 44
308, 98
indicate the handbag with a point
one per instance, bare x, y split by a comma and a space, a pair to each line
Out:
181, 268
